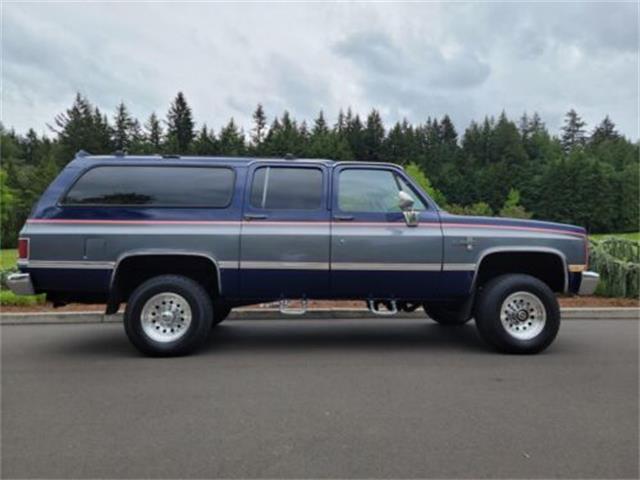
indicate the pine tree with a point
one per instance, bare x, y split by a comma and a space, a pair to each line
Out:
153, 133
340, 123
205, 142
81, 127
573, 132
606, 131
448, 132
180, 125
125, 129
259, 128
231, 140
354, 135
320, 125
374, 134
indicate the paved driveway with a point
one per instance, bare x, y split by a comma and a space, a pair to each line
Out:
333, 398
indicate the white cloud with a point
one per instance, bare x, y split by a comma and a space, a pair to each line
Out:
417, 60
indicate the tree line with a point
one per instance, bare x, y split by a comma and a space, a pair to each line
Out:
495, 167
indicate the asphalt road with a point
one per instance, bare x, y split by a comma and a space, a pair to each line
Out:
357, 398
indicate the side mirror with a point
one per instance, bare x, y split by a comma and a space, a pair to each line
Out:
405, 202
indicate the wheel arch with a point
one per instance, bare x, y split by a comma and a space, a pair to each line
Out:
489, 254
202, 258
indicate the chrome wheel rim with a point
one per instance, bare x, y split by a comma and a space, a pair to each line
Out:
523, 315
166, 317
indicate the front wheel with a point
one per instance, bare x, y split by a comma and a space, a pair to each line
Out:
168, 315
517, 314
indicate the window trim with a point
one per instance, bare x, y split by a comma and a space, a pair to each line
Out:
250, 206
60, 203
396, 172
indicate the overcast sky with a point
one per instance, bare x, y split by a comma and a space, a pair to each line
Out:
407, 60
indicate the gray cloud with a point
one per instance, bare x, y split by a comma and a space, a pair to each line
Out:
413, 60
423, 64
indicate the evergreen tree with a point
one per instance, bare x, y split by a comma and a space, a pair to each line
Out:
259, 127
354, 135
324, 143
153, 133
205, 142
81, 127
374, 137
573, 132
231, 140
606, 131
125, 129
320, 125
180, 125
448, 134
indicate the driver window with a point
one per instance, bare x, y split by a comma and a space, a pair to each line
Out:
362, 190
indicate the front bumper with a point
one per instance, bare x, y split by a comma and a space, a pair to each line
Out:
588, 283
20, 284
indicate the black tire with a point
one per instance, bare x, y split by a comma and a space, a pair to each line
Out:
447, 314
220, 312
201, 315
488, 310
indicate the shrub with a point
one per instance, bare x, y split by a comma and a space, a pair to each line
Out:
618, 263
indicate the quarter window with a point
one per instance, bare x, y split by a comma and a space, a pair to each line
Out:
153, 186
362, 190
282, 188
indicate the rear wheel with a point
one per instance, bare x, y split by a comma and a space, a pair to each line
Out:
447, 313
168, 315
517, 314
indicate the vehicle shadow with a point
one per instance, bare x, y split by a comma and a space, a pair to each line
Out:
383, 335
282, 336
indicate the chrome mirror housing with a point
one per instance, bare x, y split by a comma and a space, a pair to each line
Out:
405, 202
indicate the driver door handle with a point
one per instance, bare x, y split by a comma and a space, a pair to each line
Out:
255, 216
343, 218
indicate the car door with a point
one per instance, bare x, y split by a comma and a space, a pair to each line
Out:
374, 253
285, 236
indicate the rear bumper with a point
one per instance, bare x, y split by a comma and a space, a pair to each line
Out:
20, 284
588, 283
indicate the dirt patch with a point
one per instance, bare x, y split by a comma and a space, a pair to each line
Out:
567, 302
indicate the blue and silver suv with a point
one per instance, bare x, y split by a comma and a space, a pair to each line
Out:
183, 240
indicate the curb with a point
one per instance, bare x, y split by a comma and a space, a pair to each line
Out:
627, 313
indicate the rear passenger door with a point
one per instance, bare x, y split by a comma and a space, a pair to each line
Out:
284, 249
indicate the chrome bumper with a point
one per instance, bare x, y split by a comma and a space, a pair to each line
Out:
20, 284
588, 283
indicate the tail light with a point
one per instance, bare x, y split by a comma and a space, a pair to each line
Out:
23, 249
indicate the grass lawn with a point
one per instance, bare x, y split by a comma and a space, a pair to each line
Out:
8, 258
635, 236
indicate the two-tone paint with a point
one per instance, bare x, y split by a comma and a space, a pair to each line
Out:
259, 254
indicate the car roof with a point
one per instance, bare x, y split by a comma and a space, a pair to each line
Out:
87, 159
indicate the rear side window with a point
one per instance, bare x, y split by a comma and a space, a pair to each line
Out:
281, 188
153, 186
